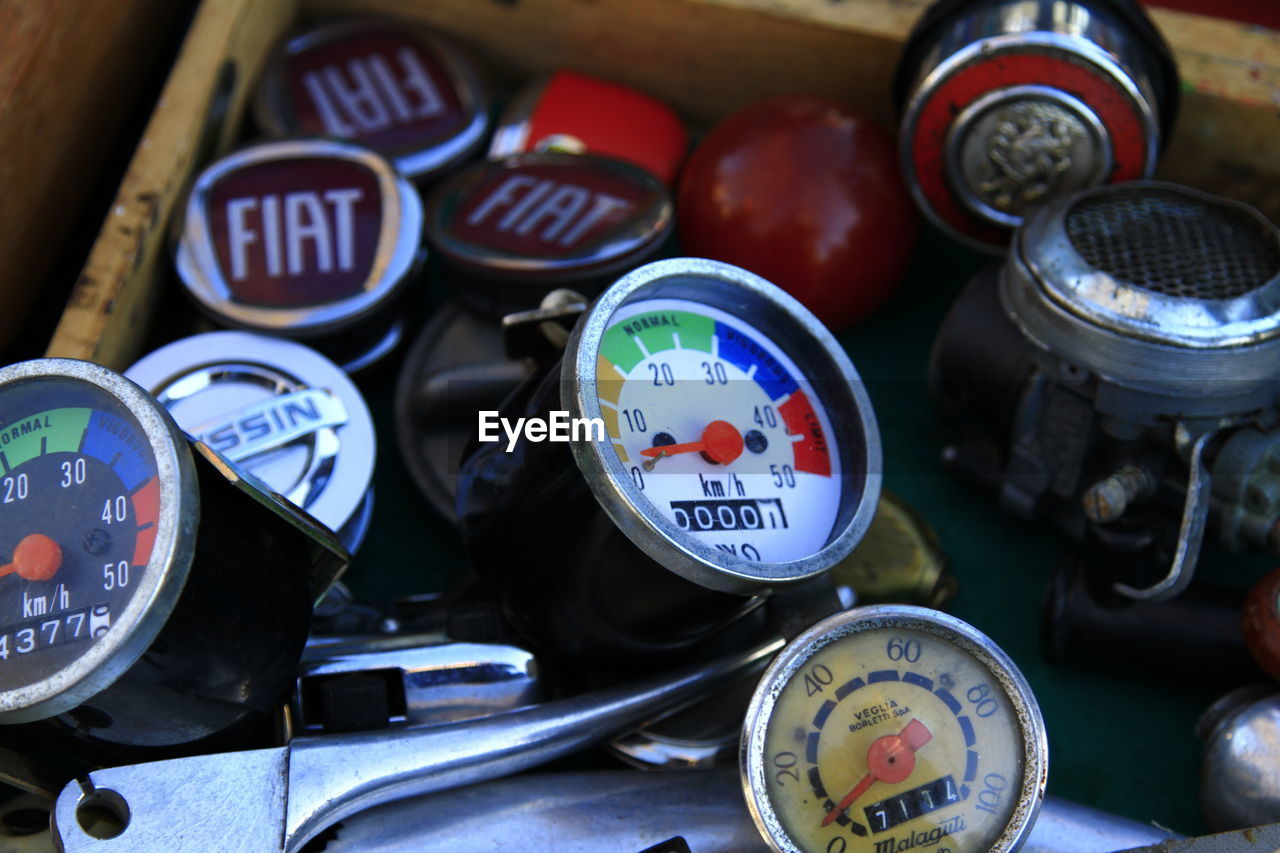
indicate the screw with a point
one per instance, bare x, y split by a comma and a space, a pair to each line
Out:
1106, 500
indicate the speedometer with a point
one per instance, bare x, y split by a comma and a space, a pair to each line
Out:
150, 594
718, 446
892, 727
741, 449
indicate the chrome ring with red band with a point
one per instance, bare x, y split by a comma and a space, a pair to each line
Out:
1005, 109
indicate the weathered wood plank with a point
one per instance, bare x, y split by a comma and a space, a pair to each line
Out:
69, 74
111, 303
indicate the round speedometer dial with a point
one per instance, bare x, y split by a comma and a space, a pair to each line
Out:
893, 727
740, 449
700, 404
87, 465
715, 445
150, 595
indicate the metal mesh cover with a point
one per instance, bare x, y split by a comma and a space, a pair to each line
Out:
1174, 244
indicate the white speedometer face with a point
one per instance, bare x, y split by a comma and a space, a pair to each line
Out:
735, 444
720, 431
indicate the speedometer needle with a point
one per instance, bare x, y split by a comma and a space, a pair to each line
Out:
889, 759
720, 441
37, 558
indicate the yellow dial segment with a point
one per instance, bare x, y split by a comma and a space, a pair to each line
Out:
893, 739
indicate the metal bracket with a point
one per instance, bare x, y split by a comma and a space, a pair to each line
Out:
1195, 516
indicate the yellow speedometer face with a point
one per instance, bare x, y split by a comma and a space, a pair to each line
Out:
893, 728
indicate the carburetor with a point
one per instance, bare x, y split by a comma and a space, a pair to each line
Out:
1120, 375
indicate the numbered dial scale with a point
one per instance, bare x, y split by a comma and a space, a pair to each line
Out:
110, 532
741, 452
892, 727
720, 447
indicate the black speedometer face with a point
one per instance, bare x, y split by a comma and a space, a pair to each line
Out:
79, 503
141, 603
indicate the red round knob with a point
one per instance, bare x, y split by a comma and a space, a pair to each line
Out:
806, 193
1260, 623
36, 558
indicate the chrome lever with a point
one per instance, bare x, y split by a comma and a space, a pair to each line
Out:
278, 799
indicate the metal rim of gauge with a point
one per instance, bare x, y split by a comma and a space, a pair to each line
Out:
1211, 319
398, 252
1111, 114
789, 667
724, 294
1206, 303
276, 402
158, 589
596, 252
275, 114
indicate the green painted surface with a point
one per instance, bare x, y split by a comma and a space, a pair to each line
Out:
620, 349
695, 330
60, 429
656, 331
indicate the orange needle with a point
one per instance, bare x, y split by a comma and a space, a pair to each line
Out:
37, 558
889, 759
720, 440
849, 798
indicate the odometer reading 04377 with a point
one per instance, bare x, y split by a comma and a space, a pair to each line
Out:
718, 429
79, 498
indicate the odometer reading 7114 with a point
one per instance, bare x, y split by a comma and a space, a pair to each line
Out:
718, 429
890, 728
79, 498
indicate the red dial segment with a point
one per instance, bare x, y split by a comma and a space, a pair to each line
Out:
146, 512
811, 450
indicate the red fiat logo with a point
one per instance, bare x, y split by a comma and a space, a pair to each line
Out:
381, 89
545, 210
294, 233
